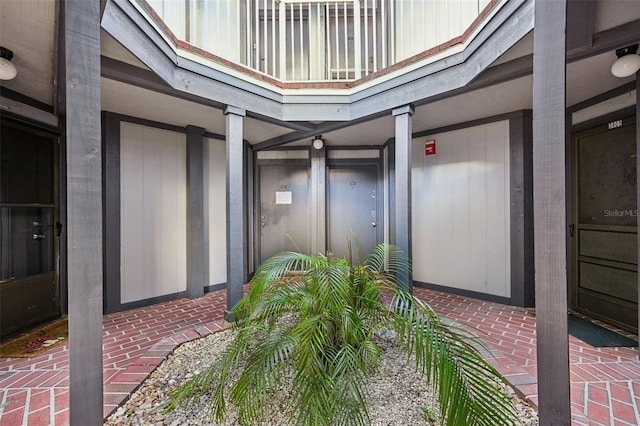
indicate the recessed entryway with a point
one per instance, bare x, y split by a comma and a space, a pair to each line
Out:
604, 226
29, 227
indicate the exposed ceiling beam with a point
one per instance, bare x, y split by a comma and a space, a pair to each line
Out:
301, 126
581, 20
145, 79
610, 40
283, 140
328, 126
5, 92
517, 68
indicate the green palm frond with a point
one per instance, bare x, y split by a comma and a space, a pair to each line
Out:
468, 387
312, 322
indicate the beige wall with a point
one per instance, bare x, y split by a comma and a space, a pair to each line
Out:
153, 212
216, 205
460, 209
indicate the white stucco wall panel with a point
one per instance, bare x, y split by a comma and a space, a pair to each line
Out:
153, 212
460, 203
216, 205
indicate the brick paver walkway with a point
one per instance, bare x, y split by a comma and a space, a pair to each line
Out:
605, 382
35, 392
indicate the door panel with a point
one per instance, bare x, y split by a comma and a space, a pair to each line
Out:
284, 209
353, 209
617, 246
29, 291
27, 241
609, 280
605, 212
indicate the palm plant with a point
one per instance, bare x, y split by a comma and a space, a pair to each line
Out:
313, 321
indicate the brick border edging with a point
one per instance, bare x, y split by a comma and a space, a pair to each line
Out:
125, 383
523, 383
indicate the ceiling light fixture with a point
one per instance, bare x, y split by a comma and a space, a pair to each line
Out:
7, 69
628, 62
318, 142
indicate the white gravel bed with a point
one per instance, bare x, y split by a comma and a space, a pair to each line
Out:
396, 392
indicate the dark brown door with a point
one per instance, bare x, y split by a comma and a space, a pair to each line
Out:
29, 291
605, 243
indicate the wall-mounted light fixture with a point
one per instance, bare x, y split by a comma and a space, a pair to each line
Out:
628, 62
7, 69
318, 142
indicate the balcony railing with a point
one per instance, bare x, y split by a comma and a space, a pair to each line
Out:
317, 40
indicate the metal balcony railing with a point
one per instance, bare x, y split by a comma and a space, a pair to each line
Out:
317, 40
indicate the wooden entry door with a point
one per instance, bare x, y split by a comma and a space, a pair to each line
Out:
604, 229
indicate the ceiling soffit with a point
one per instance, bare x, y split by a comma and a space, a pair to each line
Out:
28, 28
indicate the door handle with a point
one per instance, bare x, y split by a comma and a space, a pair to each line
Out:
572, 229
373, 224
38, 236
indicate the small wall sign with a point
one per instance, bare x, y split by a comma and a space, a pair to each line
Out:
283, 197
430, 147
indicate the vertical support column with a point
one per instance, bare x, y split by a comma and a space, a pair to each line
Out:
236, 200
318, 200
112, 210
521, 210
550, 222
84, 209
196, 265
638, 174
403, 116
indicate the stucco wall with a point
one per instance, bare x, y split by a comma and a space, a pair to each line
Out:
216, 208
460, 208
153, 212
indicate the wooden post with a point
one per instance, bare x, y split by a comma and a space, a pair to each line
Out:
638, 177
84, 210
521, 210
403, 185
550, 224
196, 262
112, 211
236, 200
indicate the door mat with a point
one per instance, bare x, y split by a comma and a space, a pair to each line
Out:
36, 341
597, 336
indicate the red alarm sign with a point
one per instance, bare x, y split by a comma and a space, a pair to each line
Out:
430, 147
